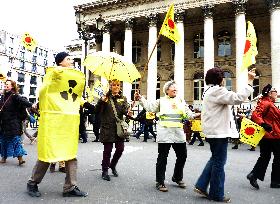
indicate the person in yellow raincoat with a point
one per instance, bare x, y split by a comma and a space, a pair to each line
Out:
57, 141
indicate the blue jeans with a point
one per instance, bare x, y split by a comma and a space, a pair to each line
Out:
213, 172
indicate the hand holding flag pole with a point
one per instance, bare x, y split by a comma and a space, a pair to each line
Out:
169, 30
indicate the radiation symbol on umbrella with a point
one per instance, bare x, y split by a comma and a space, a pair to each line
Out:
70, 93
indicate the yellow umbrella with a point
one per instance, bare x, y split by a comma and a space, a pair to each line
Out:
111, 65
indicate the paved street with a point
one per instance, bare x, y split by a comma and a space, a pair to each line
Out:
136, 183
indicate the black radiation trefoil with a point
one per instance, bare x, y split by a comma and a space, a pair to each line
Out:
65, 94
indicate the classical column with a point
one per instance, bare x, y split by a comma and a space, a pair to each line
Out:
152, 66
240, 38
128, 54
179, 56
118, 47
106, 38
274, 6
208, 37
106, 46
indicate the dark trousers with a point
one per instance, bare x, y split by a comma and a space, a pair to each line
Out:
83, 135
268, 146
181, 155
196, 135
151, 130
108, 146
41, 168
96, 132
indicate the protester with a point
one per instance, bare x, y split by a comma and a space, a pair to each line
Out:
218, 125
146, 124
82, 126
171, 111
267, 115
108, 128
196, 133
94, 119
52, 133
25, 123
11, 122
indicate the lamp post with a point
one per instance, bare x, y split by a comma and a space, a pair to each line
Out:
88, 31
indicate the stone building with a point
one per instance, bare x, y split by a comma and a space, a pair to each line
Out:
213, 33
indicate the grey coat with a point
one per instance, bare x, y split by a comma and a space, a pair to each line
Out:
108, 127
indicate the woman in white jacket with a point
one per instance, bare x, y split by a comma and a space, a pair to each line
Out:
218, 125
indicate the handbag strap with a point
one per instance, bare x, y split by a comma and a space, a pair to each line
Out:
115, 111
5, 102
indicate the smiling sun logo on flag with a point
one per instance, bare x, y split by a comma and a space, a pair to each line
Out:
28, 42
250, 132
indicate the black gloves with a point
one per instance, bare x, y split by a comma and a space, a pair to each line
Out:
267, 127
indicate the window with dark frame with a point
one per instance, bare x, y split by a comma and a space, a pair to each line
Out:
224, 44
198, 45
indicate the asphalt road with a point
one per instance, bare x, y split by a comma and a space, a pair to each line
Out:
136, 181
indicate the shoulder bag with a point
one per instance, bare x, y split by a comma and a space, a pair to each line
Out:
122, 126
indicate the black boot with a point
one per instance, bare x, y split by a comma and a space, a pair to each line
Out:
253, 180
32, 190
105, 176
235, 147
76, 192
114, 172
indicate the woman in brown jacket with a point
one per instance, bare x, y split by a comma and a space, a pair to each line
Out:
108, 127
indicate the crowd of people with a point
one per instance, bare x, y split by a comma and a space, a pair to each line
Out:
171, 113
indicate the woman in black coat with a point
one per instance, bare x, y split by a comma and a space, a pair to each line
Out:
108, 128
11, 118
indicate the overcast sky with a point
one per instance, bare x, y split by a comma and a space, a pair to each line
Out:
50, 22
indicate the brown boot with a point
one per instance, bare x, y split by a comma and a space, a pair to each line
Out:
3, 160
20, 161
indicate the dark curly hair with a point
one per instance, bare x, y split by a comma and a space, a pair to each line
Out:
214, 76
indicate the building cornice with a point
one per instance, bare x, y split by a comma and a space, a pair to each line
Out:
122, 9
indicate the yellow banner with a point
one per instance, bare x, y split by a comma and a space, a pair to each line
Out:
250, 132
59, 103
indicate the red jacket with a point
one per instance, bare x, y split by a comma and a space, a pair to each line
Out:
267, 112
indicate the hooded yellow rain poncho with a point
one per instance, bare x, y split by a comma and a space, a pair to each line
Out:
60, 98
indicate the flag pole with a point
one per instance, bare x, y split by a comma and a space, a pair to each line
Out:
145, 69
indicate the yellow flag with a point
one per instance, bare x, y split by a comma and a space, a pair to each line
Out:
28, 42
250, 132
60, 99
169, 28
250, 50
150, 115
196, 125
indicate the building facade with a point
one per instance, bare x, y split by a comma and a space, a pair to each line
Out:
213, 33
25, 67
